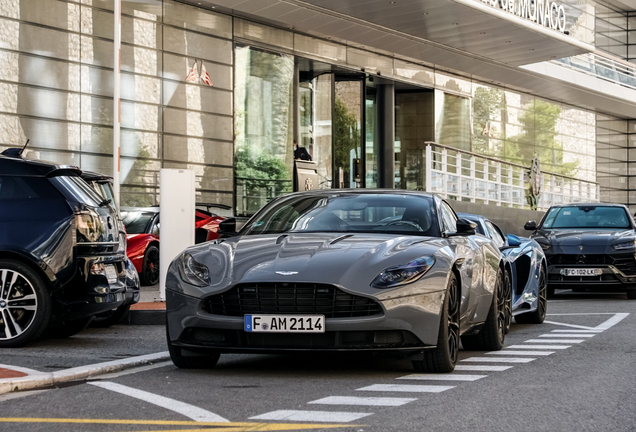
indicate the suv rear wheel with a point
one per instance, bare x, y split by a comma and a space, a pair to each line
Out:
25, 304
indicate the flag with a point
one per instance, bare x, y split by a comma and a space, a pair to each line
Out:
193, 73
205, 77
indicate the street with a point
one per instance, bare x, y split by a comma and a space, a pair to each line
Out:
575, 372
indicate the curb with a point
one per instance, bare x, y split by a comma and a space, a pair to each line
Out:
44, 379
145, 317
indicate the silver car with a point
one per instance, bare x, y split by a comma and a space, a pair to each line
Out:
337, 270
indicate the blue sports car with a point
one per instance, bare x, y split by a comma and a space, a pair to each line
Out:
526, 275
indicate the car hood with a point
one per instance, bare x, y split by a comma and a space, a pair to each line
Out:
570, 241
336, 258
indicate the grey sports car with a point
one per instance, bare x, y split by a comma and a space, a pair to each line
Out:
336, 270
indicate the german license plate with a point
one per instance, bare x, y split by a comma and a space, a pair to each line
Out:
581, 272
285, 323
111, 273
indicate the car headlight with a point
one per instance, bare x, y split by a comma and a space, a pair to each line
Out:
631, 245
403, 274
193, 272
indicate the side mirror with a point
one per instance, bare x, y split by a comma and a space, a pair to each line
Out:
227, 228
465, 227
530, 226
513, 240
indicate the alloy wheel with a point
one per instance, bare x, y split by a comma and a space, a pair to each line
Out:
18, 304
543, 295
501, 308
151, 269
453, 322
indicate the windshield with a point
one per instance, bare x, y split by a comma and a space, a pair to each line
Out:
333, 212
586, 217
136, 222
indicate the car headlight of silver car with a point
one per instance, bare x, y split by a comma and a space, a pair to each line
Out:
631, 245
193, 272
403, 274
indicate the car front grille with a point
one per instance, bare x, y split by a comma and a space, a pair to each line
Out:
626, 263
291, 298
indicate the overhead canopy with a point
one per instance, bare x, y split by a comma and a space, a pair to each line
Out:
416, 28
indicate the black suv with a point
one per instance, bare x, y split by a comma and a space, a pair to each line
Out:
62, 251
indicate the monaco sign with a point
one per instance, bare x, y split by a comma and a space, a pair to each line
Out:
543, 12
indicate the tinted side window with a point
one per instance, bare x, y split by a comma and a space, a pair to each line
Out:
448, 218
24, 188
495, 235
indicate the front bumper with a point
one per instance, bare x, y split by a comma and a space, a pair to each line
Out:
404, 326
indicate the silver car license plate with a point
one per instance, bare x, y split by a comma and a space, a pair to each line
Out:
581, 272
111, 273
285, 323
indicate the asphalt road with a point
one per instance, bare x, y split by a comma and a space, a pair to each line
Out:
581, 378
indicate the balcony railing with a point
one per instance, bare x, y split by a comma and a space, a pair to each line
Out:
467, 176
615, 71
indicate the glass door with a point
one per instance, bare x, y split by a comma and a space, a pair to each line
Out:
348, 166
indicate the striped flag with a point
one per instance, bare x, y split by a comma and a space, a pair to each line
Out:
205, 77
193, 74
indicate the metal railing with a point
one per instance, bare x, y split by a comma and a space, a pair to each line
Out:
605, 68
466, 176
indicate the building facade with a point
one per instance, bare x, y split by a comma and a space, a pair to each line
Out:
224, 87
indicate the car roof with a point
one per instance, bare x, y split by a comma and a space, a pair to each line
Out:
17, 165
591, 204
364, 192
141, 209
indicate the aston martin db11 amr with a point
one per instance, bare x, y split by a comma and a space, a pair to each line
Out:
525, 272
334, 270
588, 246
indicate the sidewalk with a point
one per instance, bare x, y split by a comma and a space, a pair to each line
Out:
149, 311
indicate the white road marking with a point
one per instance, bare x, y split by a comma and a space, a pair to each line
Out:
538, 347
406, 388
190, 411
499, 360
132, 371
363, 401
482, 368
612, 321
568, 325
311, 416
565, 341
577, 331
534, 353
562, 335
443, 377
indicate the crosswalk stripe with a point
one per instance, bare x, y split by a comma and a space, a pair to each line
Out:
553, 346
442, 377
482, 368
568, 341
363, 401
311, 416
578, 331
499, 359
406, 388
561, 335
534, 353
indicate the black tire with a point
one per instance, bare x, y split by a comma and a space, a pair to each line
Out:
111, 317
191, 360
67, 328
631, 294
492, 335
444, 357
150, 270
537, 316
25, 304
507, 294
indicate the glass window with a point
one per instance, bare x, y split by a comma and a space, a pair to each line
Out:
331, 212
263, 127
588, 216
137, 222
452, 120
77, 189
495, 235
449, 220
23, 188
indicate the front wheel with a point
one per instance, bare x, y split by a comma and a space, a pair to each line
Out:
184, 359
537, 316
25, 304
492, 335
444, 357
507, 295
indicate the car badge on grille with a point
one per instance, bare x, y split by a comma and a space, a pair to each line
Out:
286, 273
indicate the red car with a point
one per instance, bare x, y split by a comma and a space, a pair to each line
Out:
142, 228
